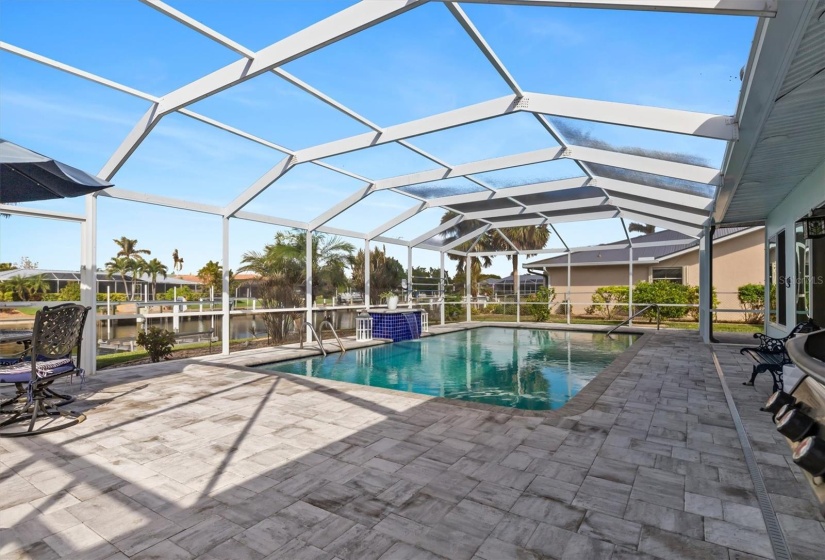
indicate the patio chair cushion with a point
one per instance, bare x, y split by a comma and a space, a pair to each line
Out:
21, 372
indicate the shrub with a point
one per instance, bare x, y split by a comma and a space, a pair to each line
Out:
540, 311
693, 295
752, 298
662, 292
453, 312
113, 296
183, 291
606, 300
157, 342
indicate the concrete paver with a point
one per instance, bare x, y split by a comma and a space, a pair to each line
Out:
209, 459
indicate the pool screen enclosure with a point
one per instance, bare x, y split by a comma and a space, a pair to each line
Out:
668, 192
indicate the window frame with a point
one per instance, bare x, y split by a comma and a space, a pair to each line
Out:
673, 280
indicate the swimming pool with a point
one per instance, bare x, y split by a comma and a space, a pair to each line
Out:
533, 369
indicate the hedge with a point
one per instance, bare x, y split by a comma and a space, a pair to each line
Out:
751, 298
606, 301
540, 311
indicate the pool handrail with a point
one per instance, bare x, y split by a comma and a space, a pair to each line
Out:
642, 310
326, 321
318, 338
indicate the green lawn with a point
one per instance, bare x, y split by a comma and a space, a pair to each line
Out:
106, 360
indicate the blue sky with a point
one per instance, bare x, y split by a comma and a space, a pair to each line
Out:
412, 66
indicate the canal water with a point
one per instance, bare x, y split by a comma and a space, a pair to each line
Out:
240, 326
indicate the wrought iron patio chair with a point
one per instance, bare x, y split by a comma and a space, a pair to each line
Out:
57, 331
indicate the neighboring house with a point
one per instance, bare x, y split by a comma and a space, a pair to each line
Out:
738, 258
57, 279
529, 283
245, 284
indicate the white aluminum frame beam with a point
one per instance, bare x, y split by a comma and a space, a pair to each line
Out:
676, 121
259, 186
400, 218
654, 118
436, 230
330, 30
511, 192
342, 206
655, 166
482, 45
17, 210
472, 236
76, 72
325, 32
654, 193
266, 219
146, 198
565, 206
195, 25
759, 8
574, 217
472, 168
651, 208
687, 229
457, 117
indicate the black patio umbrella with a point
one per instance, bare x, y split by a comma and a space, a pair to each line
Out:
26, 175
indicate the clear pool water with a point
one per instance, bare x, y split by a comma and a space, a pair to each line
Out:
521, 368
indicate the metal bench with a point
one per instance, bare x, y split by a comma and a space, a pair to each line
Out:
771, 354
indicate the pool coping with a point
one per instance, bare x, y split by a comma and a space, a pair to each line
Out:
580, 403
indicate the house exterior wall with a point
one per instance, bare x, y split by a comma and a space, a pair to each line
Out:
584, 280
808, 194
736, 261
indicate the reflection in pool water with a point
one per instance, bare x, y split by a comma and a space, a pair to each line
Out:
521, 368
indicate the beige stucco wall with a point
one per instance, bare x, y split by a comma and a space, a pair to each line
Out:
584, 280
736, 261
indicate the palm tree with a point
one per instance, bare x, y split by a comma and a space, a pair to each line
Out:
486, 242
18, 286
386, 272
177, 261
118, 265
129, 250
646, 229
36, 285
523, 238
281, 267
153, 268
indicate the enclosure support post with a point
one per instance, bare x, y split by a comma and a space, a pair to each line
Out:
225, 289
468, 275
367, 259
409, 277
309, 301
706, 285
88, 285
630, 286
567, 311
442, 288
517, 287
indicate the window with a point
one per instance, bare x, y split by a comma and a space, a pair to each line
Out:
673, 274
802, 281
777, 279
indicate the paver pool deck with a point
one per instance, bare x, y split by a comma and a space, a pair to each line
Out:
207, 458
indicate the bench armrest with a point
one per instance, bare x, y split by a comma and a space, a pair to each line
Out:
770, 344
